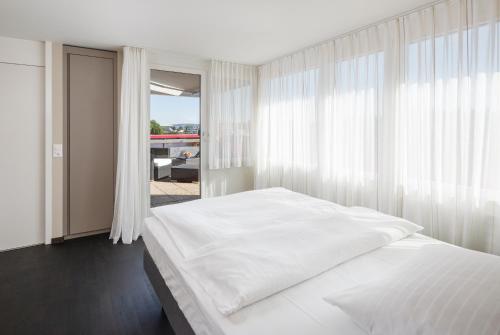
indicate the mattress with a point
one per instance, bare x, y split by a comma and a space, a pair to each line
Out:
297, 310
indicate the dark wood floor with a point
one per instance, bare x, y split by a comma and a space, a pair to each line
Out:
83, 286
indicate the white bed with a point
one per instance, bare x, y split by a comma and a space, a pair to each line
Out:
296, 310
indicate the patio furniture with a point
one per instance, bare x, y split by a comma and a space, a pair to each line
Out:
159, 169
178, 151
185, 169
162, 168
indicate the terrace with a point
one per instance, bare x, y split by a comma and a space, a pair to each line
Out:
174, 168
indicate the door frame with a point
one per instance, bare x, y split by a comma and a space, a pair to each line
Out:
203, 114
48, 142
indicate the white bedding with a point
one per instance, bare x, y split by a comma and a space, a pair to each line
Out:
443, 290
297, 310
197, 223
261, 242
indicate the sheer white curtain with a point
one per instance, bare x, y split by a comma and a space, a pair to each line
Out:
286, 108
449, 121
132, 188
402, 117
319, 117
232, 94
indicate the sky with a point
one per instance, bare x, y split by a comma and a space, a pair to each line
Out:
167, 110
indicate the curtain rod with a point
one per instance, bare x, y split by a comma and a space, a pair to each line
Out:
356, 30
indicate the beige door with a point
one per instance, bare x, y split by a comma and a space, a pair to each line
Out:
90, 116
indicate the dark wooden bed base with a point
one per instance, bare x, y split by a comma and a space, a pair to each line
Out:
170, 307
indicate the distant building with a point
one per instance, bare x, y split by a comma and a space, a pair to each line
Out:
183, 128
167, 129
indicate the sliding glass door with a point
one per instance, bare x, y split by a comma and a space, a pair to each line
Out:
174, 137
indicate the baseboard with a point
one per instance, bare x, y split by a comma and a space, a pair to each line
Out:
21, 247
90, 233
57, 240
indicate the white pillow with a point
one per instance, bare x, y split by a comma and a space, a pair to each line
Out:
442, 290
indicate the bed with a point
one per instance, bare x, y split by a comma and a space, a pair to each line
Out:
296, 309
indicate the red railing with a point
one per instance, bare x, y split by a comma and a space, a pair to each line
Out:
174, 136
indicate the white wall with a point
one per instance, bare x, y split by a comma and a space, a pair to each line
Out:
24, 52
214, 182
22, 108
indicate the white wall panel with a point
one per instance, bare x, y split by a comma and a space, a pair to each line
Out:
13, 50
21, 147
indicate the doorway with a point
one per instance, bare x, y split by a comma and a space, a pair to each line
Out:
90, 144
174, 137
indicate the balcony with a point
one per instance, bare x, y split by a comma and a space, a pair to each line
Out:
175, 164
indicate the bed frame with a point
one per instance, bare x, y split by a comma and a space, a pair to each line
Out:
170, 307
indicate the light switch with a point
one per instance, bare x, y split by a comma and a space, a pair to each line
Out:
57, 150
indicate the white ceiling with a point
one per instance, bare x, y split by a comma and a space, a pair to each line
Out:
244, 31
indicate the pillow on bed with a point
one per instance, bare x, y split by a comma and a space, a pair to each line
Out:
442, 290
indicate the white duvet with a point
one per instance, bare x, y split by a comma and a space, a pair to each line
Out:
245, 247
